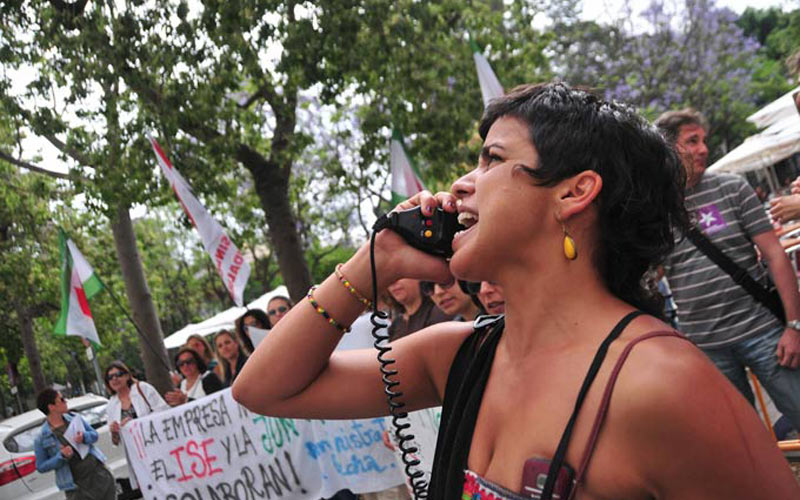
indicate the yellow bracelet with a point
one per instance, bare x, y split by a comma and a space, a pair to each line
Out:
321, 310
346, 283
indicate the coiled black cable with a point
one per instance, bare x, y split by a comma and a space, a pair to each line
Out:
379, 320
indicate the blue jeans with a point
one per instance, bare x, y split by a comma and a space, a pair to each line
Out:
758, 353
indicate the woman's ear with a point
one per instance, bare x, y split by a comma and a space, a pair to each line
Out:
577, 193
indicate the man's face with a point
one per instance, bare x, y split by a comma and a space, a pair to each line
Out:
691, 144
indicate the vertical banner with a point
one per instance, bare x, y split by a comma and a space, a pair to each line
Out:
226, 256
213, 449
406, 181
490, 85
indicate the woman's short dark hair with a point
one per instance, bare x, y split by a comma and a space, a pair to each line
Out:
641, 203
198, 360
259, 316
45, 398
119, 365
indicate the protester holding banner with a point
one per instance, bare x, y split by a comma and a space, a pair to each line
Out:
130, 399
573, 200
232, 355
198, 381
66, 444
252, 327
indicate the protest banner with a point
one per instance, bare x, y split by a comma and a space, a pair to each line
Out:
215, 449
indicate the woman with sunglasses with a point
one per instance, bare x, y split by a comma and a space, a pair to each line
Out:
130, 399
452, 300
413, 310
198, 381
580, 390
231, 353
277, 307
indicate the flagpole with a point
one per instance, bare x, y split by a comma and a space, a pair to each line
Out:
141, 333
101, 387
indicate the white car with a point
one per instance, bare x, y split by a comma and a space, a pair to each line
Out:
18, 476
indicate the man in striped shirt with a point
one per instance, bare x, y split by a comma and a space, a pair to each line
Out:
714, 312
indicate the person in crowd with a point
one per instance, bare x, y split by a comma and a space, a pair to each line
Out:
130, 399
252, 327
715, 312
198, 381
413, 310
573, 200
492, 298
80, 478
277, 307
451, 300
202, 347
231, 353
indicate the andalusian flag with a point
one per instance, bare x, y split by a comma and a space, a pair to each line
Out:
78, 284
490, 85
406, 181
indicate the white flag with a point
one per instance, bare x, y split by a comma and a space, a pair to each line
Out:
406, 181
490, 85
228, 259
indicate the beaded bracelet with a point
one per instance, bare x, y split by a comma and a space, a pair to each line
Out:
350, 288
321, 310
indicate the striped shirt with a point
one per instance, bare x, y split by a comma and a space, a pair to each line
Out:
713, 311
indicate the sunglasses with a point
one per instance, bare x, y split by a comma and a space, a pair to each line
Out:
113, 375
468, 287
184, 363
279, 309
427, 287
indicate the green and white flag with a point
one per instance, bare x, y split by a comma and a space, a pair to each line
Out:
78, 284
406, 181
490, 85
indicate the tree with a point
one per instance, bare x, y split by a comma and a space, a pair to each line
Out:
706, 62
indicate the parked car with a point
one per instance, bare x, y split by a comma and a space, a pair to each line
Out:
18, 475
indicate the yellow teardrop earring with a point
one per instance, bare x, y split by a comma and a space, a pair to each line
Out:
570, 252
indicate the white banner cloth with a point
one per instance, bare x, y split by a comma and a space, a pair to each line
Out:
213, 449
226, 256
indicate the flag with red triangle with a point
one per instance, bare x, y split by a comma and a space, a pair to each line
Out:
79, 283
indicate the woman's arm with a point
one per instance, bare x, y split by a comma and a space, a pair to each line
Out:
292, 371
89, 434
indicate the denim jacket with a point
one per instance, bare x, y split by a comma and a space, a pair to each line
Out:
49, 457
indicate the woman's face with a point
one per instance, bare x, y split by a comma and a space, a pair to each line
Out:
451, 300
117, 378
500, 203
277, 309
197, 347
187, 365
226, 347
405, 291
492, 298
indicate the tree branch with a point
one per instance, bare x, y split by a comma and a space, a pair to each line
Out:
33, 168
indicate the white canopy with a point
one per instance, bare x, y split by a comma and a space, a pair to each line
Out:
775, 111
221, 321
778, 141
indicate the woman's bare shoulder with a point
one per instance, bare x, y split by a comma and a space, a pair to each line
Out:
671, 398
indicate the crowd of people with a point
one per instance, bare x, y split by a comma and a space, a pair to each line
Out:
541, 337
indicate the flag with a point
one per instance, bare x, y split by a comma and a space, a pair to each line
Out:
490, 85
79, 283
406, 180
226, 256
